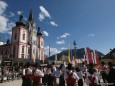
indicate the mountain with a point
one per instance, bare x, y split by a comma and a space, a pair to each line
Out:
79, 52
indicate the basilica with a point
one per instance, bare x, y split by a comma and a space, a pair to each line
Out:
26, 43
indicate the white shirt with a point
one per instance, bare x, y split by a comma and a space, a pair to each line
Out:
75, 76
23, 72
38, 73
29, 71
88, 81
80, 75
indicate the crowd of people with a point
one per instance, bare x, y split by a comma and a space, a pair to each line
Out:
69, 75
8, 73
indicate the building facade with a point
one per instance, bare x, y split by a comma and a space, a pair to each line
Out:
27, 43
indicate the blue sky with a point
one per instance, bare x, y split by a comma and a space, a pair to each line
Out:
90, 22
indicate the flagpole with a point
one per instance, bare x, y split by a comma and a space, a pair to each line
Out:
69, 53
56, 58
49, 50
75, 57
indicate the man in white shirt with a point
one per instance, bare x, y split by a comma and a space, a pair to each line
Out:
70, 76
28, 74
37, 75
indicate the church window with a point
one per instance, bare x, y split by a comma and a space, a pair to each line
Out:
15, 36
14, 49
41, 43
23, 36
22, 55
28, 51
22, 49
41, 53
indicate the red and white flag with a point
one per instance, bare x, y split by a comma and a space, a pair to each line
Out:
88, 55
95, 57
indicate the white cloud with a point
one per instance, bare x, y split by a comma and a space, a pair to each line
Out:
19, 12
63, 48
53, 23
41, 17
91, 35
64, 35
25, 18
5, 24
3, 6
60, 42
44, 13
11, 14
45, 33
57, 37
52, 51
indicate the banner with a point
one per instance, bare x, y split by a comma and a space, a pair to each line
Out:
56, 58
88, 55
96, 57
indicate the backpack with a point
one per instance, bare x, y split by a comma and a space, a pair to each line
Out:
70, 80
92, 79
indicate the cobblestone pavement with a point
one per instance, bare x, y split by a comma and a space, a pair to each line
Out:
18, 83
12, 83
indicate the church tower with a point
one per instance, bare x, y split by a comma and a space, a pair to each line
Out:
40, 45
19, 40
27, 43
32, 37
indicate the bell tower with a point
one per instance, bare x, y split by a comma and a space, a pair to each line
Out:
19, 39
40, 45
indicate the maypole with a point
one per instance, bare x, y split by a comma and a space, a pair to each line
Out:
69, 53
75, 57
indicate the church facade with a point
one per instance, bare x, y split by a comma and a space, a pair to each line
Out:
27, 43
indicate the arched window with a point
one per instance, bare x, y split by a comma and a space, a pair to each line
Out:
15, 36
23, 35
22, 49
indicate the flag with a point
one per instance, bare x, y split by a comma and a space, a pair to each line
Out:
85, 59
92, 55
49, 50
88, 55
69, 53
96, 57
56, 58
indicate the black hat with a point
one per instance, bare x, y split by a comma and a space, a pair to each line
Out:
28, 64
37, 65
69, 67
110, 64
